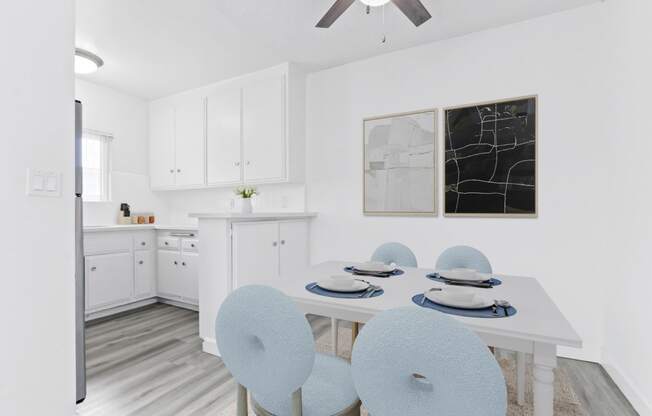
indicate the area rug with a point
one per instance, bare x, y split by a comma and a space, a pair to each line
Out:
566, 402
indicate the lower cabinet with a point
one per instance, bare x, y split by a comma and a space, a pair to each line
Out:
264, 252
144, 274
109, 279
178, 274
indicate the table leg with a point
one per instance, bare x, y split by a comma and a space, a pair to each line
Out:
335, 334
355, 328
520, 378
545, 361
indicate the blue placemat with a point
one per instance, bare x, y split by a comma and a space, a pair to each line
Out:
351, 269
313, 288
435, 277
471, 313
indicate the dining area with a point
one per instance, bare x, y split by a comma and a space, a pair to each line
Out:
423, 340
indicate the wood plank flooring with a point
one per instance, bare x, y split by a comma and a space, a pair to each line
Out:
149, 362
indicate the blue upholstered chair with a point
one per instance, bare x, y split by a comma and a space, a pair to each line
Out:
268, 346
463, 257
414, 361
395, 253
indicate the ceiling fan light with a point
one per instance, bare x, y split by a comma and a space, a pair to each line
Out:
86, 62
375, 3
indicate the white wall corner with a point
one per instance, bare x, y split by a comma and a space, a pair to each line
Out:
625, 384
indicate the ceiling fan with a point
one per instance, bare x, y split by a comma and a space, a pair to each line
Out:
413, 9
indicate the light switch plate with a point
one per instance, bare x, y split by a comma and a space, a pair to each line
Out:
43, 183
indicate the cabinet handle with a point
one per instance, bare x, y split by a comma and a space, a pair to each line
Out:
183, 263
236, 163
171, 170
141, 262
248, 163
166, 243
93, 268
178, 170
275, 243
142, 243
175, 263
192, 245
282, 241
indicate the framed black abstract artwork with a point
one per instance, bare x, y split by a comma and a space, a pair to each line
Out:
491, 159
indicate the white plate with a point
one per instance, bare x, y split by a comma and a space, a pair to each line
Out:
329, 284
375, 267
471, 277
441, 298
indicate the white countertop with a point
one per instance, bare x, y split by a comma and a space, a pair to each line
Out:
252, 216
117, 227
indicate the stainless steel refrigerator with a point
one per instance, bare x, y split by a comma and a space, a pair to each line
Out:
80, 322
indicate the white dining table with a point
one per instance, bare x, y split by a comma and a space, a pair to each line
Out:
537, 328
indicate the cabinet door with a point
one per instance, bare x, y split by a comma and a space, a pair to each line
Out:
161, 145
109, 279
189, 141
144, 273
255, 253
223, 139
263, 123
294, 247
190, 277
169, 281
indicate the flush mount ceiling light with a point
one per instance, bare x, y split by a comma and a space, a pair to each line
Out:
413, 9
375, 3
86, 62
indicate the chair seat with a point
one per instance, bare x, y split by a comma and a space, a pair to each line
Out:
328, 391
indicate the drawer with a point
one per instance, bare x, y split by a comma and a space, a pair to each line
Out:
190, 245
171, 243
144, 241
108, 242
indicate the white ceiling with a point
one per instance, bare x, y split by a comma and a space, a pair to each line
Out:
153, 48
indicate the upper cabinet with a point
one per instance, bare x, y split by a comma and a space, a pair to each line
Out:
263, 130
249, 130
177, 143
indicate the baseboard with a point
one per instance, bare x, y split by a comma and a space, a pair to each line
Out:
628, 388
119, 309
210, 346
179, 304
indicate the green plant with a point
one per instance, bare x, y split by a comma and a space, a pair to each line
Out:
246, 191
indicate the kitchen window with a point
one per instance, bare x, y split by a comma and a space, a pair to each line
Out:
96, 165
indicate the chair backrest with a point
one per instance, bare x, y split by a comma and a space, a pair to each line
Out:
463, 257
395, 253
265, 341
414, 361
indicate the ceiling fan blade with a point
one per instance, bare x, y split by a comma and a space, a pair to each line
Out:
414, 10
334, 12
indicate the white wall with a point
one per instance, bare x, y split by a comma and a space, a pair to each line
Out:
561, 58
127, 119
628, 339
37, 282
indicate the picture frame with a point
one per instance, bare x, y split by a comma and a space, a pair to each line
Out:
400, 164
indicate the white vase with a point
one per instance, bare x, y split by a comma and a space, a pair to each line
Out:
246, 206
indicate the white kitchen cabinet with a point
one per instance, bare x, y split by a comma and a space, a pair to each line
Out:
109, 279
190, 277
263, 130
293, 245
256, 256
178, 273
144, 273
169, 281
162, 147
223, 137
189, 142
249, 130
264, 251
177, 142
